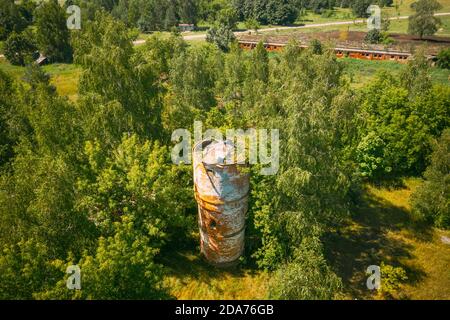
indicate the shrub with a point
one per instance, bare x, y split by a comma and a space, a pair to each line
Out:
391, 279
373, 36
431, 200
19, 48
221, 36
443, 59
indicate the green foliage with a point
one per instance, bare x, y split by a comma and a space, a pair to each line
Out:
308, 277
373, 36
316, 46
19, 48
115, 75
423, 22
310, 192
122, 267
359, 8
252, 24
7, 98
391, 279
431, 199
443, 59
279, 12
221, 35
14, 17
53, 37
401, 123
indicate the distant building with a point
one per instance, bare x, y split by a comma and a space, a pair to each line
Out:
185, 27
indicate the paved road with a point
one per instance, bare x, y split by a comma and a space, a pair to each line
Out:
316, 25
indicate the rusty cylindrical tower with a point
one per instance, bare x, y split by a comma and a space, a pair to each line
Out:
221, 191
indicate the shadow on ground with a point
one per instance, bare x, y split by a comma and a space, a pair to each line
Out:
365, 240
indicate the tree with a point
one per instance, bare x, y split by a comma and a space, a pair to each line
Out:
8, 98
191, 93
310, 192
188, 11
252, 24
402, 118
373, 36
316, 46
221, 35
53, 37
278, 12
443, 59
114, 76
423, 22
260, 63
431, 199
308, 277
19, 48
281, 12
13, 18
359, 8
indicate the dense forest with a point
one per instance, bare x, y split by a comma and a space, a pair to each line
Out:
90, 182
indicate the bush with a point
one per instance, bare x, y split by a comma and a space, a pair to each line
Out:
443, 59
316, 46
391, 280
19, 49
373, 36
221, 35
431, 200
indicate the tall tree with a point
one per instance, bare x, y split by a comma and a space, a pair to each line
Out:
423, 22
431, 200
52, 34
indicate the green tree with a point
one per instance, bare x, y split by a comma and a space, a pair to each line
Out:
53, 37
443, 59
403, 116
188, 11
19, 48
115, 76
431, 200
13, 18
373, 36
221, 35
310, 193
191, 94
423, 22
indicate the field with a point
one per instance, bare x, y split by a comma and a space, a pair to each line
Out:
63, 76
381, 230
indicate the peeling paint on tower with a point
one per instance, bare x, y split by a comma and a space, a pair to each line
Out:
221, 191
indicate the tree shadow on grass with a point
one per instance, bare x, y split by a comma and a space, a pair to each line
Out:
366, 240
188, 262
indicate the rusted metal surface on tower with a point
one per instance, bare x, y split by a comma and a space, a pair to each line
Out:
221, 191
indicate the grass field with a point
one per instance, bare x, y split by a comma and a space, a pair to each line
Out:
63, 76
381, 230
362, 71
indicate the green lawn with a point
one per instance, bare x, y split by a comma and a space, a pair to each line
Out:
63, 76
361, 71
